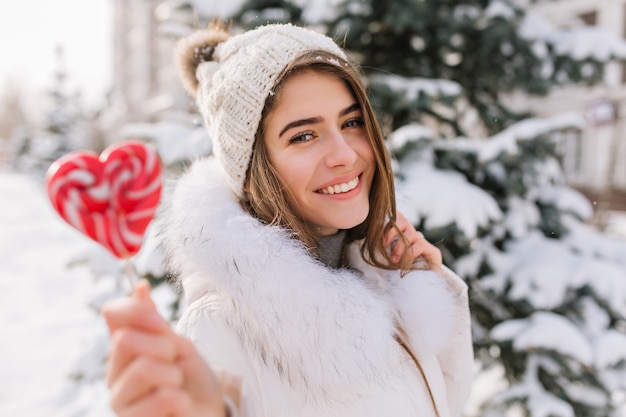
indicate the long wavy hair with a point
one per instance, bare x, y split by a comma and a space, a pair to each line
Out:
267, 199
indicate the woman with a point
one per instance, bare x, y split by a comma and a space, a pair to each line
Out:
303, 290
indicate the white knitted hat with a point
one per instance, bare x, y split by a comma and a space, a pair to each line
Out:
231, 87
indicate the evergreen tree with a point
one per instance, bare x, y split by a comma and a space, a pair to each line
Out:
65, 127
12, 114
65, 121
489, 47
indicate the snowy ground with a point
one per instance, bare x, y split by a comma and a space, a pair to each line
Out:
49, 323
54, 341
45, 319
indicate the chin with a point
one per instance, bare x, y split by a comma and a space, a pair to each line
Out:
353, 220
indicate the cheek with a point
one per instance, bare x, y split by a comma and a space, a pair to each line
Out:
295, 173
367, 152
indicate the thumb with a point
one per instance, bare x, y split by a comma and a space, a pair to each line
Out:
138, 310
142, 291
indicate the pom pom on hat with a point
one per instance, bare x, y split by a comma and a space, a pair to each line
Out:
231, 78
195, 49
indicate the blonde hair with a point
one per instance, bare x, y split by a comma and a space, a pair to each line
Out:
267, 199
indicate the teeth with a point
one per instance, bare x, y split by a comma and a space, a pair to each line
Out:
341, 188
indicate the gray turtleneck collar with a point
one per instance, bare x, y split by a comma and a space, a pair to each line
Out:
331, 249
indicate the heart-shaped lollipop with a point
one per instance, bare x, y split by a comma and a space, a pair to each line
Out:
111, 198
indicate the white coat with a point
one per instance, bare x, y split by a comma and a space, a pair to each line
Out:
308, 340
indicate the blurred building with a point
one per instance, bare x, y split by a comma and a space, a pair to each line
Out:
145, 84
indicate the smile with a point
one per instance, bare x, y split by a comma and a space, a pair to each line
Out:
340, 188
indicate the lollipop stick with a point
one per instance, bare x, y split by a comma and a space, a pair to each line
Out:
131, 274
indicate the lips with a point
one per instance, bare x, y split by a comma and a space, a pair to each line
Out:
340, 188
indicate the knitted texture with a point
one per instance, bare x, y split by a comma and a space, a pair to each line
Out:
234, 86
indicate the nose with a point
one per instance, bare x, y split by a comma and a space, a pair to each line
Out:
340, 152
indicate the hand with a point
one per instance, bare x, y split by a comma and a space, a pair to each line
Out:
153, 371
418, 246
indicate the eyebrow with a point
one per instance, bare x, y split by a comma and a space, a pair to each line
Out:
311, 120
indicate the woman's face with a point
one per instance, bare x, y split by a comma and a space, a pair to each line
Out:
317, 142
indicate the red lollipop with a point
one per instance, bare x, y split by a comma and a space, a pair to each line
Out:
111, 198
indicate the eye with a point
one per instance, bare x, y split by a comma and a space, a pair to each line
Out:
354, 122
301, 137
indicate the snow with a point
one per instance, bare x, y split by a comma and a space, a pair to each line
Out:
53, 281
587, 241
521, 216
545, 404
266, 15
45, 318
408, 134
610, 349
444, 198
412, 88
588, 43
505, 142
579, 43
567, 200
318, 11
356, 9
175, 141
529, 266
466, 11
499, 9
542, 282
545, 330
539, 402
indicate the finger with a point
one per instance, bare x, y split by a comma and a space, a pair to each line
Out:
230, 386
432, 254
128, 343
142, 290
428, 251
141, 377
418, 246
401, 240
163, 402
400, 218
401, 224
201, 381
397, 249
133, 311
391, 238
